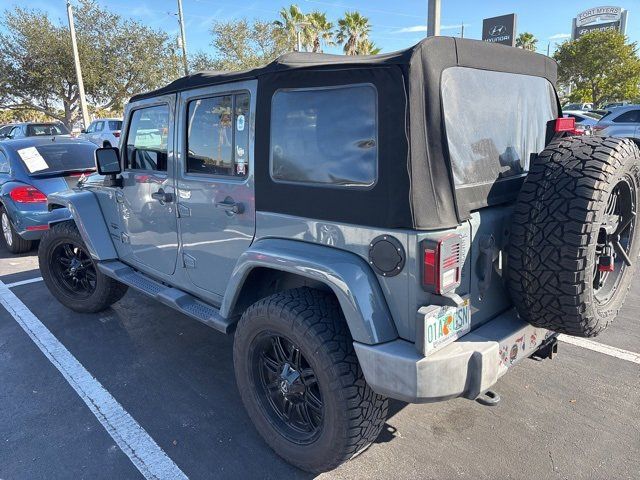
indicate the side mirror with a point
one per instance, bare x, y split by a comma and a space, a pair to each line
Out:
108, 161
84, 130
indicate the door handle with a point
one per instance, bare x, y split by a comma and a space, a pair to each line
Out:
162, 196
230, 206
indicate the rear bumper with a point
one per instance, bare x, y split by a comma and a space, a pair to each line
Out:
464, 368
31, 225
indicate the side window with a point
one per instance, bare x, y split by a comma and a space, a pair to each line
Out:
4, 163
91, 127
326, 136
99, 126
632, 116
147, 139
17, 132
115, 125
218, 135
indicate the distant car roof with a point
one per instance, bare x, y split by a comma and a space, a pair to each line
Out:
20, 143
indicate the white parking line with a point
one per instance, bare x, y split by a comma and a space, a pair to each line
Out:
601, 348
24, 282
134, 441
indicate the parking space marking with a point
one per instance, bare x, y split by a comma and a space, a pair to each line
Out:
24, 282
132, 439
601, 348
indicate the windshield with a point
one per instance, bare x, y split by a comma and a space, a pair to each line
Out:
494, 122
39, 129
58, 158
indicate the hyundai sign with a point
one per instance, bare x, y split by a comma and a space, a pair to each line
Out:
500, 29
599, 19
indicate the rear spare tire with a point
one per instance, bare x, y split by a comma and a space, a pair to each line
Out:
574, 239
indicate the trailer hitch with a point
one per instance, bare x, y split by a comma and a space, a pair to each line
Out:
548, 349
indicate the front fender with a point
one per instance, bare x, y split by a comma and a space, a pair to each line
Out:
348, 276
85, 210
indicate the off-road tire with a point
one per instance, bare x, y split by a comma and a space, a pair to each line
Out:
555, 227
107, 291
17, 244
354, 414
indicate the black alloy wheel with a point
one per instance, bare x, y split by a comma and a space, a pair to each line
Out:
288, 388
614, 241
74, 270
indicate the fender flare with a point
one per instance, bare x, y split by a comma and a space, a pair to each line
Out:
87, 215
346, 274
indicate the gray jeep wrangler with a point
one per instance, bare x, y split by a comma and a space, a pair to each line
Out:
408, 225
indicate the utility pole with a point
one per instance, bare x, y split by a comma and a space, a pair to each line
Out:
462, 30
183, 38
433, 18
548, 48
76, 60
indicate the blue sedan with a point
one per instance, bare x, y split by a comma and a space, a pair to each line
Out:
31, 169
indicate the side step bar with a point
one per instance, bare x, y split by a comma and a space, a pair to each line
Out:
172, 297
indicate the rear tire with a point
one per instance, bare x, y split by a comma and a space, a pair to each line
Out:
568, 224
14, 242
72, 275
326, 373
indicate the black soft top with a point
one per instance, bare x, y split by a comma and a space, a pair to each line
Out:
415, 188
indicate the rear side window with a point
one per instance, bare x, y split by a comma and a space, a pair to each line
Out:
4, 163
218, 135
147, 139
494, 122
58, 158
325, 136
115, 125
632, 116
38, 129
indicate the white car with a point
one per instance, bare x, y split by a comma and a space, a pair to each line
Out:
585, 121
104, 132
578, 106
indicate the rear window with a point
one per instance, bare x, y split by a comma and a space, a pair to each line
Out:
57, 158
325, 136
39, 129
115, 125
494, 122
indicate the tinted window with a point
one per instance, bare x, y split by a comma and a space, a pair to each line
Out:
58, 157
325, 136
4, 163
217, 140
99, 126
494, 122
16, 132
4, 131
115, 125
147, 138
38, 129
632, 116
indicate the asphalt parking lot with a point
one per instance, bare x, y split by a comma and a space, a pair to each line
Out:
574, 417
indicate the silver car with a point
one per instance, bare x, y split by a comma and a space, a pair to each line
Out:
620, 122
104, 132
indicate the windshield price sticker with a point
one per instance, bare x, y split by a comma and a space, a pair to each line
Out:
32, 159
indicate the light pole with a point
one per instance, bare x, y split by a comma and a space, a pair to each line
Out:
299, 34
433, 18
76, 61
183, 38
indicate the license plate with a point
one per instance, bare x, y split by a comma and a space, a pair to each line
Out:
443, 325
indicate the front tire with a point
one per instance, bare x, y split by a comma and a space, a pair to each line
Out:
301, 383
14, 242
72, 275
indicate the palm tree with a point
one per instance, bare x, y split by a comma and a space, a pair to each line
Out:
367, 47
290, 21
352, 30
318, 31
527, 41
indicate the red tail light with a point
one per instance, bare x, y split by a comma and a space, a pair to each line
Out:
116, 134
442, 264
27, 194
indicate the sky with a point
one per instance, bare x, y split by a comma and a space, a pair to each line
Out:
395, 24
